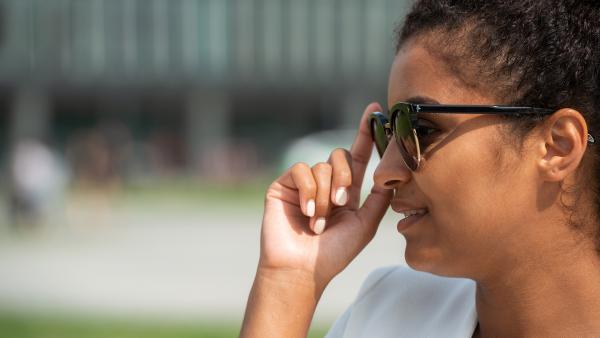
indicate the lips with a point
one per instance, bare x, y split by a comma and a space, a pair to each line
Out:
407, 209
411, 213
406, 222
414, 212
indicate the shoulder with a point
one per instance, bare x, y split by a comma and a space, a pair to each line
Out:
400, 302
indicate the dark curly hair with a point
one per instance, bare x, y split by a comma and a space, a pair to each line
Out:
542, 53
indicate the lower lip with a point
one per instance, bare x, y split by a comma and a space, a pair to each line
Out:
408, 221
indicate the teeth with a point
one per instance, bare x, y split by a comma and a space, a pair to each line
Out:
415, 212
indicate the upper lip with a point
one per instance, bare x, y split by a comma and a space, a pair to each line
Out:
401, 207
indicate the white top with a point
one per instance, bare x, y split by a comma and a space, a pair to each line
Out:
401, 302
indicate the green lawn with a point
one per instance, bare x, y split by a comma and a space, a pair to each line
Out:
187, 192
185, 186
19, 326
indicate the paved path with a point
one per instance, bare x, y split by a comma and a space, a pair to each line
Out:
168, 262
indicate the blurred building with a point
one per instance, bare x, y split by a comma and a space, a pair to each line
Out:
214, 87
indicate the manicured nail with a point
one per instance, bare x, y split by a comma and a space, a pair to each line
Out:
341, 196
319, 225
310, 208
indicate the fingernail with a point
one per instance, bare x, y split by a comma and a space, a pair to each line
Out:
319, 225
341, 196
310, 208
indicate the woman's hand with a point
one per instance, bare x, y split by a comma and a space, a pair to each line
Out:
312, 228
313, 224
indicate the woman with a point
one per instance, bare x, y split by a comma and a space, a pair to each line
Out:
504, 197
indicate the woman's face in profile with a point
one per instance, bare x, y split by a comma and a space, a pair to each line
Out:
480, 193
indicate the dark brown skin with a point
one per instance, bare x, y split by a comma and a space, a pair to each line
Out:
494, 216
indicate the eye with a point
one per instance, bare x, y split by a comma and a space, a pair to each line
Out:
425, 130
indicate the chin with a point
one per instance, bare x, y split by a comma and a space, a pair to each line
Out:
432, 261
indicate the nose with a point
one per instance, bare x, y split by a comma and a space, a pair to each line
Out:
391, 171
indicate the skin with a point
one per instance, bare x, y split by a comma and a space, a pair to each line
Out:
536, 276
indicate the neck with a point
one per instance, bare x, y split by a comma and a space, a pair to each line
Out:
556, 295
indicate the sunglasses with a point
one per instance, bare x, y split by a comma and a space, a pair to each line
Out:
404, 124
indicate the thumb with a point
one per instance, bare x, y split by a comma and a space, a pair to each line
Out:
374, 208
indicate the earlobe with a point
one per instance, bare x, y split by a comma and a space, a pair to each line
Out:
564, 143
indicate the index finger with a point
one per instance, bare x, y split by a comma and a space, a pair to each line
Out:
362, 147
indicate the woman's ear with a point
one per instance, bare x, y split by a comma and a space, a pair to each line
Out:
563, 143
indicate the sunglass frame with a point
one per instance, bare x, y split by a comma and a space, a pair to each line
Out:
412, 110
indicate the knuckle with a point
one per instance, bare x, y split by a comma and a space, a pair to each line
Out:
300, 166
271, 187
340, 155
304, 179
361, 159
339, 152
323, 167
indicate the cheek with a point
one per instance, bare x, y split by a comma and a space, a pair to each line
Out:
478, 202
467, 191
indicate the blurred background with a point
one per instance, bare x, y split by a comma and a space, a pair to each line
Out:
137, 139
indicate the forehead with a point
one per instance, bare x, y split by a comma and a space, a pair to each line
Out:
418, 73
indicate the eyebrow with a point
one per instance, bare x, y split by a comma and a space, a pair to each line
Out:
422, 100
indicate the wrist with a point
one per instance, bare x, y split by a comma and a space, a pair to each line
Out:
295, 281
281, 303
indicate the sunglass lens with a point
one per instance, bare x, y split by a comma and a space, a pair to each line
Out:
379, 136
406, 138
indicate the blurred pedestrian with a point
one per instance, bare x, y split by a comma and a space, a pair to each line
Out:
37, 181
